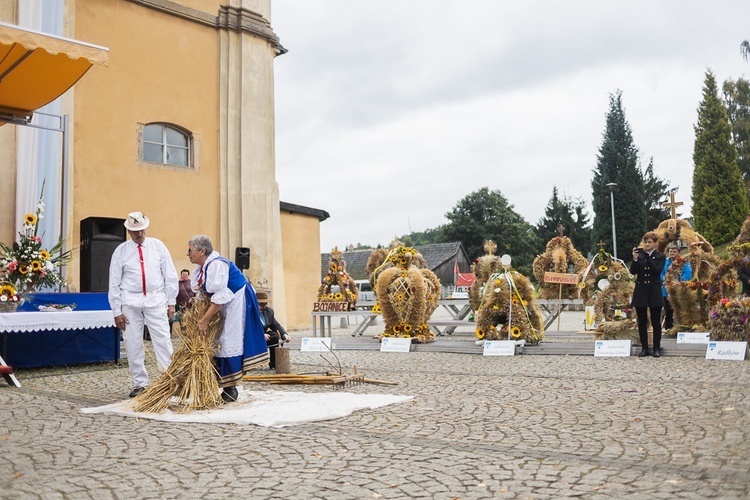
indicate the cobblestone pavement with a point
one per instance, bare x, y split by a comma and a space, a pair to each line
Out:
478, 427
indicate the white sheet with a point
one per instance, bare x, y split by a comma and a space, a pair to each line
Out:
267, 408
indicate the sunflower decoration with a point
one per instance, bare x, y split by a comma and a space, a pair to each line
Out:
507, 308
485, 267
337, 285
28, 266
407, 294
559, 257
607, 286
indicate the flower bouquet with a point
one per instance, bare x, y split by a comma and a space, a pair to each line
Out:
26, 265
9, 299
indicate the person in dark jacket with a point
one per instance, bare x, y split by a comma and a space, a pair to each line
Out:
743, 273
647, 297
275, 333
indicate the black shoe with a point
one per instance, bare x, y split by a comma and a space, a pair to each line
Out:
657, 353
230, 394
644, 352
136, 391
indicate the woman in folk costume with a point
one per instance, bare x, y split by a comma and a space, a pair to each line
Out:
241, 345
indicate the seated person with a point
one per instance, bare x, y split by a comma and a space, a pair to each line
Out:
275, 333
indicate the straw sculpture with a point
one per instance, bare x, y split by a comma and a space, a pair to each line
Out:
524, 321
190, 382
407, 295
607, 285
558, 256
671, 230
337, 276
730, 320
483, 267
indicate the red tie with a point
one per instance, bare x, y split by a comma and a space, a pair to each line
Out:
200, 278
143, 269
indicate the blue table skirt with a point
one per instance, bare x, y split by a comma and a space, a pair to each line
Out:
62, 347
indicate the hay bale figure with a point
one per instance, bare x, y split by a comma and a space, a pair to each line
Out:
407, 295
337, 276
674, 229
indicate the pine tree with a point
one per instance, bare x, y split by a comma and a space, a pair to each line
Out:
654, 191
617, 162
737, 101
719, 202
571, 214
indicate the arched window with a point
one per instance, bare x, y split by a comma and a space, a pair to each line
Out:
166, 144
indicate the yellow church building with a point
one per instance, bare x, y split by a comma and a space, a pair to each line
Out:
173, 116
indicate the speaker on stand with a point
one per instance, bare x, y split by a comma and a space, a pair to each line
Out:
99, 238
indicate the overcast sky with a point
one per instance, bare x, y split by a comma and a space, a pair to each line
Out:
389, 112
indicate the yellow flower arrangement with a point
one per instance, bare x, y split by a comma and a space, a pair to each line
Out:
376, 308
480, 333
602, 268
25, 264
338, 296
333, 267
400, 297
515, 332
407, 328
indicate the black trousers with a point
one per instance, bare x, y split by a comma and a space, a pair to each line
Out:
668, 314
642, 313
272, 343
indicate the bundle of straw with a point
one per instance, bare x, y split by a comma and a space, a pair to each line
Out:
190, 382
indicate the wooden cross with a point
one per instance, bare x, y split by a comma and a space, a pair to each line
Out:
490, 247
672, 205
560, 229
601, 245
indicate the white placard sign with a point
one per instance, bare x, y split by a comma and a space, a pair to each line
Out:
731, 351
499, 348
315, 344
693, 337
608, 348
395, 344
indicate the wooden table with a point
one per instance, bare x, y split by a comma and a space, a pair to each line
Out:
324, 318
551, 308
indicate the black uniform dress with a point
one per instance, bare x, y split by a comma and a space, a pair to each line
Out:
648, 296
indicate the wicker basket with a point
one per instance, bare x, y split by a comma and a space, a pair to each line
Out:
8, 307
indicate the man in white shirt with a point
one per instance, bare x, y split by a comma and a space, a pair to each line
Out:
143, 290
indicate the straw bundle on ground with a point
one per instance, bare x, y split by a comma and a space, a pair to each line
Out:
190, 382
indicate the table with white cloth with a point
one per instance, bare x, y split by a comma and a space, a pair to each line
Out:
34, 339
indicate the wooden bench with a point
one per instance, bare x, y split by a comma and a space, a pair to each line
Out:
449, 326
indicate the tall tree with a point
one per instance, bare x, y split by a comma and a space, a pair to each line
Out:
487, 215
571, 214
737, 101
719, 202
654, 191
617, 162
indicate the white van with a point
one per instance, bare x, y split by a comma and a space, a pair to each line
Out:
365, 292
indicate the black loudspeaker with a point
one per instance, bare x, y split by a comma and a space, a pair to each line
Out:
99, 238
242, 257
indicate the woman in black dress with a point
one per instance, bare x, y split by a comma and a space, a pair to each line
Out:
647, 296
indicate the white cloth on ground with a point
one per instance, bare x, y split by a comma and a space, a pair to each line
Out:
268, 408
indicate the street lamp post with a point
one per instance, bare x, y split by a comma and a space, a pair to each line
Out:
612, 187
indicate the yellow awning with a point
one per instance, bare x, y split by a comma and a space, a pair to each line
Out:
37, 68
